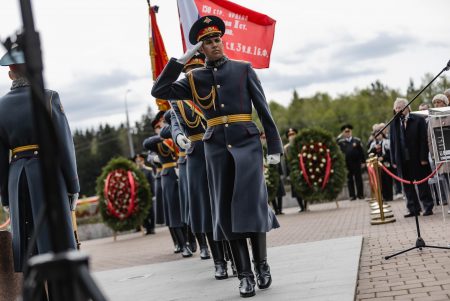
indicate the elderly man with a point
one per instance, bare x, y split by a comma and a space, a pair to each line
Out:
409, 153
21, 182
225, 90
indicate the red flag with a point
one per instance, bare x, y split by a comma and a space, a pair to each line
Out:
158, 54
248, 36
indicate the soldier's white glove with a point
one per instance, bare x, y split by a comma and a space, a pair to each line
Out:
156, 159
273, 159
177, 171
6, 209
183, 141
73, 198
189, 53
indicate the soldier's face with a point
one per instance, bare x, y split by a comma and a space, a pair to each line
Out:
347, 133
213, 48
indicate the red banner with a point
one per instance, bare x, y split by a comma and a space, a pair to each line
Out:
158, 53
248, 36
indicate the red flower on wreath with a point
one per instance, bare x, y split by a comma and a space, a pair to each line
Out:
120, 193
315, 164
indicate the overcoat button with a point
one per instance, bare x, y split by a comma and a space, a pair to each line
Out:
226, 125
222, 105
229, 145
215, 69
218, 86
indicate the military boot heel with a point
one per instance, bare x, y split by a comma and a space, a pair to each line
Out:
263, 276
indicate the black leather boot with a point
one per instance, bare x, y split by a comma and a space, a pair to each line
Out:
204, 252
176, 245
262, 269
220, 265
244, 269
229, 257
185, 251
190, 239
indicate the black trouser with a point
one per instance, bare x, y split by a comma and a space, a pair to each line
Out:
412, 202
149, 221
386, 187
277, 204
354, 176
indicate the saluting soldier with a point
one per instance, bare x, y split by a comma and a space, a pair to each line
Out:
154, 161
354, 159
21, 181
166, 152
166, 133
225, 90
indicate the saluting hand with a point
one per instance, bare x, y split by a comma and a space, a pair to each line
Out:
189, 53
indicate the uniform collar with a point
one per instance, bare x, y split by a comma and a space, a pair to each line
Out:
18, 83
217, 63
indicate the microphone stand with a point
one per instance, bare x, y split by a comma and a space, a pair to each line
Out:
64, 270
420, 243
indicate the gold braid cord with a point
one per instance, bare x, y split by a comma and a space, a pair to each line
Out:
163, 152
202, 101
191, 124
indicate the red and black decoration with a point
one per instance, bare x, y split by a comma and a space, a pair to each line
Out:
317, 166
124, 195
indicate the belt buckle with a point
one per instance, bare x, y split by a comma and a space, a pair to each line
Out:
224, 119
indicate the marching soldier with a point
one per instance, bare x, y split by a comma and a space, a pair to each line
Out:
165, 150
190, 120
166, 133
21, 182
225, 90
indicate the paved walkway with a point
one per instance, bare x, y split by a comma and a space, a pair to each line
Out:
323, 270
416, 275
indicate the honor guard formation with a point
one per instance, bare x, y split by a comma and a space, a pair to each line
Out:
209, 162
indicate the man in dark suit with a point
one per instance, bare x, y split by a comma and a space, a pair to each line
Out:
354, 159
225, 91
21, 182
409, 153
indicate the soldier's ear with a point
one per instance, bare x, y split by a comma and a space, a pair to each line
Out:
201, 50
11, 75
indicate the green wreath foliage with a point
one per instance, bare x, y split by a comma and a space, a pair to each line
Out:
143, 198
303, 144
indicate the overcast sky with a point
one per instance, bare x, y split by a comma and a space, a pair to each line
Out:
95, 50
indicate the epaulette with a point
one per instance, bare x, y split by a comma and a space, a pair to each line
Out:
357, 139
340, 140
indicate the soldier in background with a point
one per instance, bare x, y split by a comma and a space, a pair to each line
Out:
355, 159
290, 135
149, 221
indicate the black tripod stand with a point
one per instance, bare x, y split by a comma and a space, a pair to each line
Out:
64, 271
420, 243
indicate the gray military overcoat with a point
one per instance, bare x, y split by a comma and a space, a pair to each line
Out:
233, 152
20, 178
